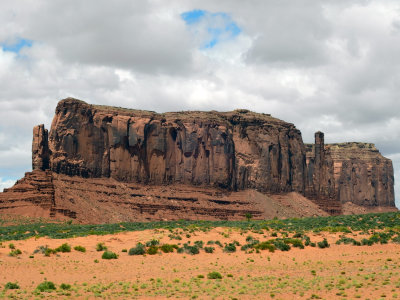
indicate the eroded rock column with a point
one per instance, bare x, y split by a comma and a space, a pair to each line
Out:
40, 148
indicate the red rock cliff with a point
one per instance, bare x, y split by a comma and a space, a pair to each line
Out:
349, 172
234, 150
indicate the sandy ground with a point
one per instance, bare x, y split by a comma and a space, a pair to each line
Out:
338, 272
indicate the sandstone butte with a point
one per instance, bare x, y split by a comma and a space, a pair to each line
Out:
108, 164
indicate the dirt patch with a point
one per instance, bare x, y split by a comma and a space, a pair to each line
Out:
335, 272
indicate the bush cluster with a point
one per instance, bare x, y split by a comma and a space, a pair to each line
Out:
80, 249
63, 248
214, 275
323, 244
109, 255
11, 286
46, 286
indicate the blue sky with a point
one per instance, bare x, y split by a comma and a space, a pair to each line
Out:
16, 45
213, 28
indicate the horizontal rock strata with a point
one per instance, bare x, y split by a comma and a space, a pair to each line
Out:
47, 194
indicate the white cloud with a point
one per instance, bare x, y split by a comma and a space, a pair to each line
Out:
6, 184
330, 66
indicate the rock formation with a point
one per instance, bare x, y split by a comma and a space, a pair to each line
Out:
40, 148
233, 150
224, 151
349, 172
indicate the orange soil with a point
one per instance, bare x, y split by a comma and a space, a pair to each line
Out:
366, 272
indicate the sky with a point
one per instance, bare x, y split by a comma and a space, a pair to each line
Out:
331, 65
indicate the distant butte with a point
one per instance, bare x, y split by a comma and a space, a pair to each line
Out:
107, 164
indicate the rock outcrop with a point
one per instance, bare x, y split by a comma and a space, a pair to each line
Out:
40, 148
233, 150
34, 195
229, 152
349, 172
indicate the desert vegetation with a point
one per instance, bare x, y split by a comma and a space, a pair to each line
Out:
311, 258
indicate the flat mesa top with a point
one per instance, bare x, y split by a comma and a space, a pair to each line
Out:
238, 115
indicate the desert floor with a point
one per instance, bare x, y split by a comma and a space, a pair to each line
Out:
337, 272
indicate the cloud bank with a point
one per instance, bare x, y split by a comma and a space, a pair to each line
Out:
331, 66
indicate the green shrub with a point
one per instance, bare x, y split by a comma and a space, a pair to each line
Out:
43, 249
381, 237
152, 250
11, 286
109, 255
396, 239
101, 247
345, 240
214, 275
248, 216
15, 252
210, 243
11, 246
367, 242
249, 238
295, 242
245, 247
334, 229
218, 243
80, 249
138, 250
64, 248
229, 248
209, 249
167, 248
274, 234
191, 249
199, 244
323, 244
281, 245
49, 251
267, 245
65, 286
175, 237
46, 286
152, 242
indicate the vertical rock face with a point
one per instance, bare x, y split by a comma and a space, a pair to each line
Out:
362, 175
320, 181
270, 156
232, 150
40, 148
349, 172
134, 146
